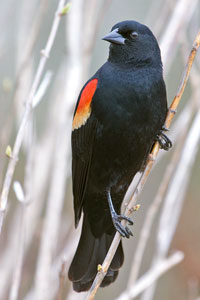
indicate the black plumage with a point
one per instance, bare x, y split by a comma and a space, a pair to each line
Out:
111, 142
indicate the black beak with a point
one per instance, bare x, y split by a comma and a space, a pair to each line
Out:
114, 37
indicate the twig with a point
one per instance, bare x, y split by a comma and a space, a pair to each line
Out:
66, 254
146, 229
13, 295
152, 275
62, 276
161, 11
180, 17
28, 108
53, 211
176, 190
30, 43
28, 33
42, 88
60, 162
129, 209
178, 198
24, 199
97, 21
186, 73
92, 21
153, 209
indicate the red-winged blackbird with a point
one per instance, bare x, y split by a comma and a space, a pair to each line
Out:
119, 114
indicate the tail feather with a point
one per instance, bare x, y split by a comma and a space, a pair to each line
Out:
79, 286
118, 259
83, 255
90, 252
109, 278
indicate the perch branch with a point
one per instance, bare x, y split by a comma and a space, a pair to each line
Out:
152, 157
151, 213
149, 218
174, 198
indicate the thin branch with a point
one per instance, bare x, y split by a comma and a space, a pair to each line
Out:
42, 88
153, 209
177, 189
13, 295
91, 24
181, 89
62, 153
152, 157
180, 17
66, 255
150, 216
62, 276
178, 198
152, 275
28, 108
98, 22
24, 197
32, 39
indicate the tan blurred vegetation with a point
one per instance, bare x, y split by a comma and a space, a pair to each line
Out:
38, 238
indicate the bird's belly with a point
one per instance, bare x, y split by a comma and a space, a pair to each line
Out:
118, 154
127, 127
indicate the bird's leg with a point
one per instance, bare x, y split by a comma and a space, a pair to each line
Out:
163, 140
123, 230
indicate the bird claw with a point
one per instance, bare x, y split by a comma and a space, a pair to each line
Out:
123, 230
122, 217
129, 231
164, 128
164, 141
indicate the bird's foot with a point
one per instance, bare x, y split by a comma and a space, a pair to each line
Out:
123, 230
163, 140
164, 128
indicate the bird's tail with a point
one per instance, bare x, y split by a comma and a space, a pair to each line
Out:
90, 252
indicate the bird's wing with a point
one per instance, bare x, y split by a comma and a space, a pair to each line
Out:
83, 134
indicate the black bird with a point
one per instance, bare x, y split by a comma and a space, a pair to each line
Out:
119, 115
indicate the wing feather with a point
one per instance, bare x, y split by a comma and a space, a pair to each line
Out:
82, 145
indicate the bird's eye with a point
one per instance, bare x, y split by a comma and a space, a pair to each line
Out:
133, 35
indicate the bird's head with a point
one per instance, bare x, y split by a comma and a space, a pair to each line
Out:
134, 43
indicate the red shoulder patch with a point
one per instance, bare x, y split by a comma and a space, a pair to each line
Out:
84, 108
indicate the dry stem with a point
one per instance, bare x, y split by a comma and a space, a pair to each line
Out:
28, 108
172, 110
176, 190
152, 275
151, 213
62, 276
17, 272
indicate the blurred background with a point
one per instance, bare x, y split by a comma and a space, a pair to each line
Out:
38, 238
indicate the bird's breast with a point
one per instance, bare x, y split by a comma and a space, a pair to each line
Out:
129, 117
